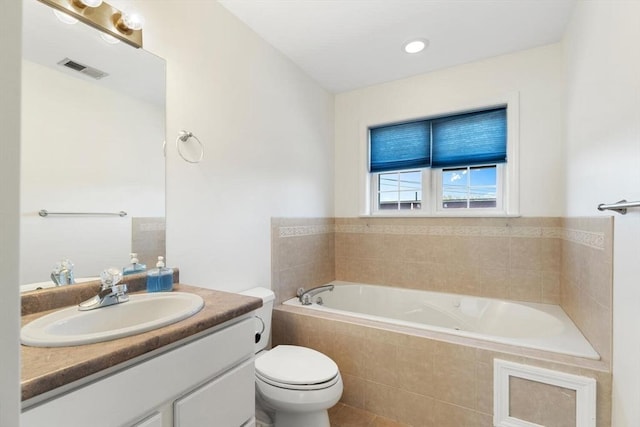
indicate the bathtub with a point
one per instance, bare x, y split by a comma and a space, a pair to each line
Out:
537, 326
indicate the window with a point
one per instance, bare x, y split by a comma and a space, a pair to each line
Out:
469, 187
400, 190
448, 165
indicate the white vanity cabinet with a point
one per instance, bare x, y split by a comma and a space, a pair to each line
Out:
205, 382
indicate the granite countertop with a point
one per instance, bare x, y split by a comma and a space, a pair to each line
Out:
46, 368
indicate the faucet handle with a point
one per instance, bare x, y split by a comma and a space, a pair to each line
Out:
62, 273
306, 299
63, 265
110, 277
120, 292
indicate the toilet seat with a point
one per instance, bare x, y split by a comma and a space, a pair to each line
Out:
302, 387
296, 368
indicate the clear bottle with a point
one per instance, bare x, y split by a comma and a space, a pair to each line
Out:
160, 279
135, 266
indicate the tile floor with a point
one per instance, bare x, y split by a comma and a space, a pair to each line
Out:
342, 415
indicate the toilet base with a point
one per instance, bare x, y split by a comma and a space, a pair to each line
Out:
270, 418
263, 417
306, 419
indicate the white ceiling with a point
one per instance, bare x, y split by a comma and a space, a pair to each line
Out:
348, 44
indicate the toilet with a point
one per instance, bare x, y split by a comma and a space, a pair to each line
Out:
295, 386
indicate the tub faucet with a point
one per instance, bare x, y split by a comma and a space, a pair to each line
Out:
305, 296
110, 292
62, 273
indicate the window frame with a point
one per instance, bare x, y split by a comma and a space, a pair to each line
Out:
507, 174
426, 180
500, 196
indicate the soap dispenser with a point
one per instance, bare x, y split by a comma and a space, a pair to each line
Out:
135, 266
160, 279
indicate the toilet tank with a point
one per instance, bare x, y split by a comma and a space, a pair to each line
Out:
262, 315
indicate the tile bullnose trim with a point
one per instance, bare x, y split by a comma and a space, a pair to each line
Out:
591, 239
305, 230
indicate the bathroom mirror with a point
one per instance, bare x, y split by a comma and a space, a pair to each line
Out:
92, 145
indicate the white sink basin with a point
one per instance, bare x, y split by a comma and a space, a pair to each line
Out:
143, 312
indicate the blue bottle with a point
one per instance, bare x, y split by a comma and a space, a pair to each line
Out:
135, 266
160, 279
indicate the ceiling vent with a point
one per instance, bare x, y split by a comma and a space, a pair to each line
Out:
84, 69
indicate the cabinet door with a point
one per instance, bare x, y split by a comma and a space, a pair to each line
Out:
226, 401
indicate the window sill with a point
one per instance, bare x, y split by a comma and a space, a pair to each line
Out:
441, 215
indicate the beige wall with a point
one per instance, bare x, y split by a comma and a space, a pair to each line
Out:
603, 164
10, 44
535, 75
267, 129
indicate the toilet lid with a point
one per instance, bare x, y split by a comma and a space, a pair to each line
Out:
289, 364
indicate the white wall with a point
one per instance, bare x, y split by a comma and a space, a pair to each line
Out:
10, 44
69, 167
268, 135
535, 74
603, 164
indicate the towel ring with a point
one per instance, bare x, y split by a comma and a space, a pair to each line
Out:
183, 136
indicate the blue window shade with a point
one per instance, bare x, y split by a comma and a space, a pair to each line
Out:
401, 146
470, 139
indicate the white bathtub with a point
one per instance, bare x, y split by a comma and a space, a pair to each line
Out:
538, 326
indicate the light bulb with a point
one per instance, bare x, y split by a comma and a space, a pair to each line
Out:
63, 17
130, 21
109, 38
87, 3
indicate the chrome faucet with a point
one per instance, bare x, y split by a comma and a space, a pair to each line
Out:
62, 273
110, 292
305, 296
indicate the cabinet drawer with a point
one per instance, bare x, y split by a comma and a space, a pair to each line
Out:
153, 421
227, 401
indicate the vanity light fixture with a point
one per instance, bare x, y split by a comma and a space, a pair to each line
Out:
65, 18
124, 26
109, 38
415, 46
87, 3
130, 22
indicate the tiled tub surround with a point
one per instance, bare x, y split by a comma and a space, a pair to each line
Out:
426, 379
564, 261
586, 279
148, 239
302, 254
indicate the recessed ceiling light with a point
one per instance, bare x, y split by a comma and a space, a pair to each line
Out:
415, 46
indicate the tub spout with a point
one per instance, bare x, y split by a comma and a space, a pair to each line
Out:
305, 296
